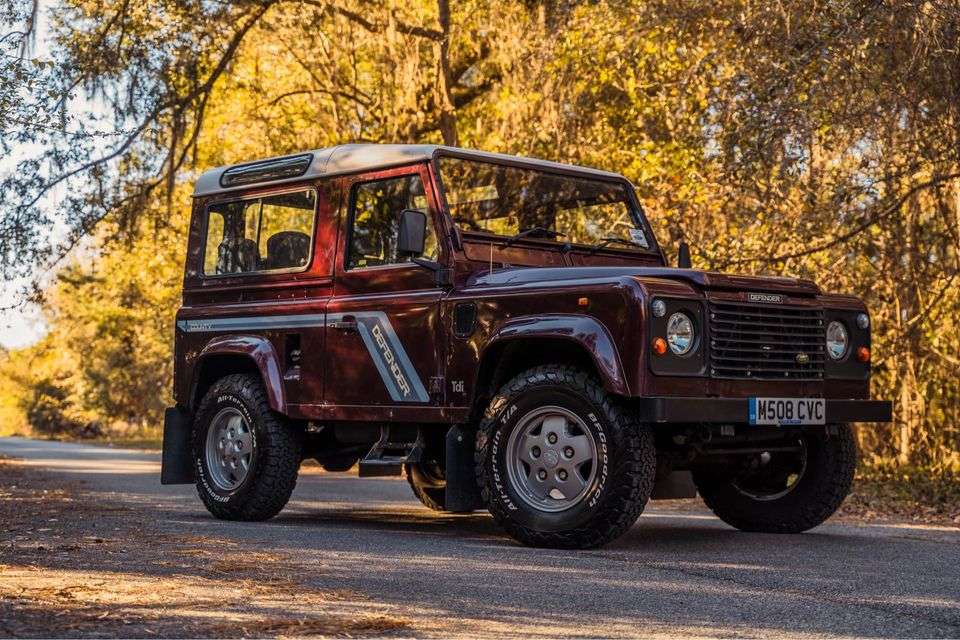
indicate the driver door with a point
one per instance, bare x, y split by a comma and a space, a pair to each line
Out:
383, 347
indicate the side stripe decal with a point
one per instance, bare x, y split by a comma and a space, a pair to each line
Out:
379, 337
249, 323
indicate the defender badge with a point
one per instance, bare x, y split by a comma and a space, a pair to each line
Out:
769, 298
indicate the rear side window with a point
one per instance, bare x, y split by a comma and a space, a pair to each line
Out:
272, 233
376, 213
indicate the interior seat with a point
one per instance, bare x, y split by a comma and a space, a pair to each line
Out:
287, 249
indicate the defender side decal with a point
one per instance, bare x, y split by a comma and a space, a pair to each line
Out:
388, 355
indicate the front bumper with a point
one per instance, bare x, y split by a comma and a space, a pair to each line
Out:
736, 410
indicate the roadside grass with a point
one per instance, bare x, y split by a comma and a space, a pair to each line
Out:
883, 491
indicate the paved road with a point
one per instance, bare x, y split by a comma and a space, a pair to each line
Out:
679, 571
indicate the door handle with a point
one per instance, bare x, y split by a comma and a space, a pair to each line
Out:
347, 323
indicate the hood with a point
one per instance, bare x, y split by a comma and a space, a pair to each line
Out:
702, 279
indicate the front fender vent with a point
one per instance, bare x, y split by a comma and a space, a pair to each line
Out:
464, 319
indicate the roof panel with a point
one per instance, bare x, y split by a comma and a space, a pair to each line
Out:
352, 158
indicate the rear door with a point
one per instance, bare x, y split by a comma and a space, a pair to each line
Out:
383, 321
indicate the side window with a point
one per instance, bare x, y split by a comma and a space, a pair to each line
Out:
376, 211
261, 234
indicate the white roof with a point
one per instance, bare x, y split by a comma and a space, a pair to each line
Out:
352, 158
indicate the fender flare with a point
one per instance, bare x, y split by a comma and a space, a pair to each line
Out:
260, 351
586, 331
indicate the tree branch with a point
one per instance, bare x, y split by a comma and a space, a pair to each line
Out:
373, 27
860, 228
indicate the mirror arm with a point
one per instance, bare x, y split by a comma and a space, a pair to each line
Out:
442, 275
683, 256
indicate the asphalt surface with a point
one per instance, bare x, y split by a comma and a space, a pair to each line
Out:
678, 572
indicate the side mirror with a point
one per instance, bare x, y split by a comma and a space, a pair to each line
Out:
412, 232
683, 256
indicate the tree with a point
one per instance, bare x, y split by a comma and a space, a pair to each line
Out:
809, 140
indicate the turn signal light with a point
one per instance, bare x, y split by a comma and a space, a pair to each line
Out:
659, 346
863, 354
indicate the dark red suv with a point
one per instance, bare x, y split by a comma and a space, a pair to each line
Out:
507, 332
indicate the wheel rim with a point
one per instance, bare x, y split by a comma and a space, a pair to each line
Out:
229, 449
552, 459
777, 480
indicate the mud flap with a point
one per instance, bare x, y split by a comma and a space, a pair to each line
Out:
177, 462
674, 485
462, 493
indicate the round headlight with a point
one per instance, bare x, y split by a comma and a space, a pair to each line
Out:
659, 308
837, 340
863, 320
680, 333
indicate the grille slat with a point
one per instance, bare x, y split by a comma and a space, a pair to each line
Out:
752, 341
789, 361
765, 323
775, 345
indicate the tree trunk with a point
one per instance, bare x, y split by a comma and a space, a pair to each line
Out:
448, 113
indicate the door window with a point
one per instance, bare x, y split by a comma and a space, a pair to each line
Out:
376, 212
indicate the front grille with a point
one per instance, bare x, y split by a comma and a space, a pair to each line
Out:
750, 341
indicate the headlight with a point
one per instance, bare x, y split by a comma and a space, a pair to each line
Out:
837, 340
863, 321
680, 333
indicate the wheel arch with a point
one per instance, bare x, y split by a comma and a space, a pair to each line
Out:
523, 343
227, 355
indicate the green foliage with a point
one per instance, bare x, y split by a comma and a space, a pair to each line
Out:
45, 409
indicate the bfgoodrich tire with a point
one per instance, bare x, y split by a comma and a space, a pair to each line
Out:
560, 463
246, 456
796, 496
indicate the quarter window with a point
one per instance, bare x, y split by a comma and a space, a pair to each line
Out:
263, 234
376, 212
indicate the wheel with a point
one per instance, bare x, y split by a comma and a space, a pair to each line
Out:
560, 463
786, 492
428, 484
247, 457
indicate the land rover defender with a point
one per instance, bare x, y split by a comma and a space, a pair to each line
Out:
506, 333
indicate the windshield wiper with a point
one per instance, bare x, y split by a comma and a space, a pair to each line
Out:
608, 241
536, 232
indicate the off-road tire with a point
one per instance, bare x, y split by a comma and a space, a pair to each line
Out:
428, 491
612, 505
277, 443
826, 481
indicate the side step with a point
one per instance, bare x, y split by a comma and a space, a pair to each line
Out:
398, 445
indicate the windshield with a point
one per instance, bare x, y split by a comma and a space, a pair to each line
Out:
505, 200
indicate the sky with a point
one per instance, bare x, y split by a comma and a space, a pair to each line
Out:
23, 324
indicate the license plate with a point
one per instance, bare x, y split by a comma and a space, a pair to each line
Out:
785, 411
